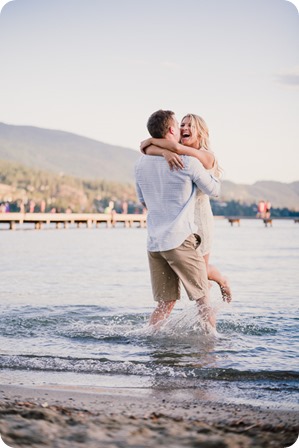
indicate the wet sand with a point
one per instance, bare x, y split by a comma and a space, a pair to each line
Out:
72, 417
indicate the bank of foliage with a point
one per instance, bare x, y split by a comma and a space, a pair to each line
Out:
20, 185
239, 209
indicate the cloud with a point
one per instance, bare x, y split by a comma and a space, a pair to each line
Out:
290, 79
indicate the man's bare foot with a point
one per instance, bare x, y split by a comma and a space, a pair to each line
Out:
226, 291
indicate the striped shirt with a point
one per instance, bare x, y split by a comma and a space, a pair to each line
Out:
170, 198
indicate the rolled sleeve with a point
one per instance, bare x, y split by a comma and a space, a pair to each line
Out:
139, 194
137, 186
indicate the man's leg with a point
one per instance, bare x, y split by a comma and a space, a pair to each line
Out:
190, 266
165, 286
161, 312
206, 311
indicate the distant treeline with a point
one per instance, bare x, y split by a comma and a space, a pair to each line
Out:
23, 188
235, 208
20, 185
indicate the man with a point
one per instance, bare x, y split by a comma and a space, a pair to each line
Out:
169, 197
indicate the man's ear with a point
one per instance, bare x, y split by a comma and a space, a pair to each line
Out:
171, 130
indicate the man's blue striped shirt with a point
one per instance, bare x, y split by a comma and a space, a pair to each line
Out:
169, 197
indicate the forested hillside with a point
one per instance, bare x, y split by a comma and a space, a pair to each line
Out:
20, 184
70, 170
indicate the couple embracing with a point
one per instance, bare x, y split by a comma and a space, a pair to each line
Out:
174, 179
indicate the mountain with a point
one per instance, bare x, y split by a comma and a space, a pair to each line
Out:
281, 195
71, 154
81, 157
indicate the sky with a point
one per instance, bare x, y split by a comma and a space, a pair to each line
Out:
100, 68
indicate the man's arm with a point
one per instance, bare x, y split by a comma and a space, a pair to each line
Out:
207, 183
139, 194
138, 189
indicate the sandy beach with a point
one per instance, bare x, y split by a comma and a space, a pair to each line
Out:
70, 417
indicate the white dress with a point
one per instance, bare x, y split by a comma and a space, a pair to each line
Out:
204, 219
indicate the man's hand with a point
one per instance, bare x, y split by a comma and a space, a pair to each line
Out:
174, 160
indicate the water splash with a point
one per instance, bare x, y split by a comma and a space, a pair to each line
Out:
183, 324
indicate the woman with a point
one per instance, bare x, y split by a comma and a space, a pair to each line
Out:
195, 143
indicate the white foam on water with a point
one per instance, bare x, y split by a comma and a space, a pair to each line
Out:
186, 323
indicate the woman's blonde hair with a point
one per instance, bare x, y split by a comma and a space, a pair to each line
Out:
204, 138
201, 129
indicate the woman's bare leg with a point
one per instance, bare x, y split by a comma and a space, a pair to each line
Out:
215, 275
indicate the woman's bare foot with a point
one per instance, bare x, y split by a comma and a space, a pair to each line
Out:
226, 291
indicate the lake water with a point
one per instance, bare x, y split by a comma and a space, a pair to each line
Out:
75, 303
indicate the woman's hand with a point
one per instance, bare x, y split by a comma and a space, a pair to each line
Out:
174, 160
145, 144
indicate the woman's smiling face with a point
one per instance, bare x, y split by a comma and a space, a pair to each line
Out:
189, 135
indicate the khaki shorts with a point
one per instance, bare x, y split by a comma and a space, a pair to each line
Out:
183, 263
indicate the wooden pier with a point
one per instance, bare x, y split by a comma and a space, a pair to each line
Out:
267, 221
233, 221
91, 220
65, 220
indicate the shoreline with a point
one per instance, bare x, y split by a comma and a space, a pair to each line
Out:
94, 417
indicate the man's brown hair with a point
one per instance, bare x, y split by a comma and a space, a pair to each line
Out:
159, 123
